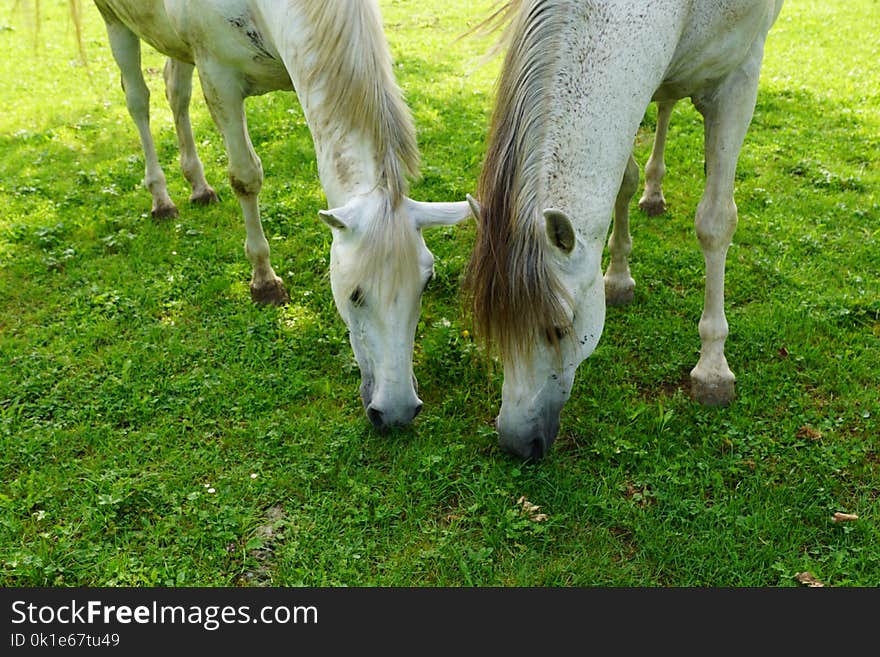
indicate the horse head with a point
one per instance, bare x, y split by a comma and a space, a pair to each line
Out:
379, 268
544, 330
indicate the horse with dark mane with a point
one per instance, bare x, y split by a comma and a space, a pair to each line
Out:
575, 83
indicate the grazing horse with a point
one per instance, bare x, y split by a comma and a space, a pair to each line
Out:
336, 58
576, 80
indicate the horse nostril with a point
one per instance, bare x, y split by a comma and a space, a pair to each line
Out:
538, 449
376, 417
418, 410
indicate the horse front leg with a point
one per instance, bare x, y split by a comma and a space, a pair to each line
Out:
652, 202
126, 48
222, 89
178, 91
726, 114
619, 283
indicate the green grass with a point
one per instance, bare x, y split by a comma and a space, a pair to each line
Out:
156, 428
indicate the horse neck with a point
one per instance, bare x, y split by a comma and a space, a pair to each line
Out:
348, 164
340, 64
608, 68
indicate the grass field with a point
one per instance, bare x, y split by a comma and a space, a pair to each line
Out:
156, 428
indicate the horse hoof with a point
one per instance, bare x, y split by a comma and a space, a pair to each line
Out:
619, 291
653, 206
619, 296
718, 393
271, 293
164, 212
206, 196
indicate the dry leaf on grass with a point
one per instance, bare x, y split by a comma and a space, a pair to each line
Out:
807, 432
844, 517
808, 579
531, 510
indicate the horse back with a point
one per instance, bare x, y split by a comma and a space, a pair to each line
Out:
716, 39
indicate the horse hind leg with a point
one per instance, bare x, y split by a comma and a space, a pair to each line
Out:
619, 283
226, 104
726, 115
178, 91
126, 48
652, 202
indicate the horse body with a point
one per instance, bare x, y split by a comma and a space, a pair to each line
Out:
335, 56
577, 78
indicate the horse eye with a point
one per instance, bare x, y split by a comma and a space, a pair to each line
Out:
357, 297
555, 332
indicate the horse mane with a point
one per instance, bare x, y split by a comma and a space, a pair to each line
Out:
515, 296
357, 71
358, 77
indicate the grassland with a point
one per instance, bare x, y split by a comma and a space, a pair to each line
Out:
156, 428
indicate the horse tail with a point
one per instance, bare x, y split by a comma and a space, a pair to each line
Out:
76, 16
75, 8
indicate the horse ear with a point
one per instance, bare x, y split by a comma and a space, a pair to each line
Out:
428, 215
342, 218
329, 218
559, 230
476, 210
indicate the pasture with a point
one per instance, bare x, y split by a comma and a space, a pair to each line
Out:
159, 429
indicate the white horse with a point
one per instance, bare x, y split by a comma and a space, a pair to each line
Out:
335, 56
576, 80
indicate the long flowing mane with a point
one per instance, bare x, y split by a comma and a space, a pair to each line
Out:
357, 68
515, 296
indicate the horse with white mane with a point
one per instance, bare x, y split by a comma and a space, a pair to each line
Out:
335, 56
575, 83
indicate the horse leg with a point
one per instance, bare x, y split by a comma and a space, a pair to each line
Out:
652, 201
222, 89
619, 284
727, 112
178, 91
126, 48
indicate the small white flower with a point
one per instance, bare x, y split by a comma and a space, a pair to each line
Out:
212, 490
253, 475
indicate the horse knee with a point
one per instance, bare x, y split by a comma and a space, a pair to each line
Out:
246, 182
715, 224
